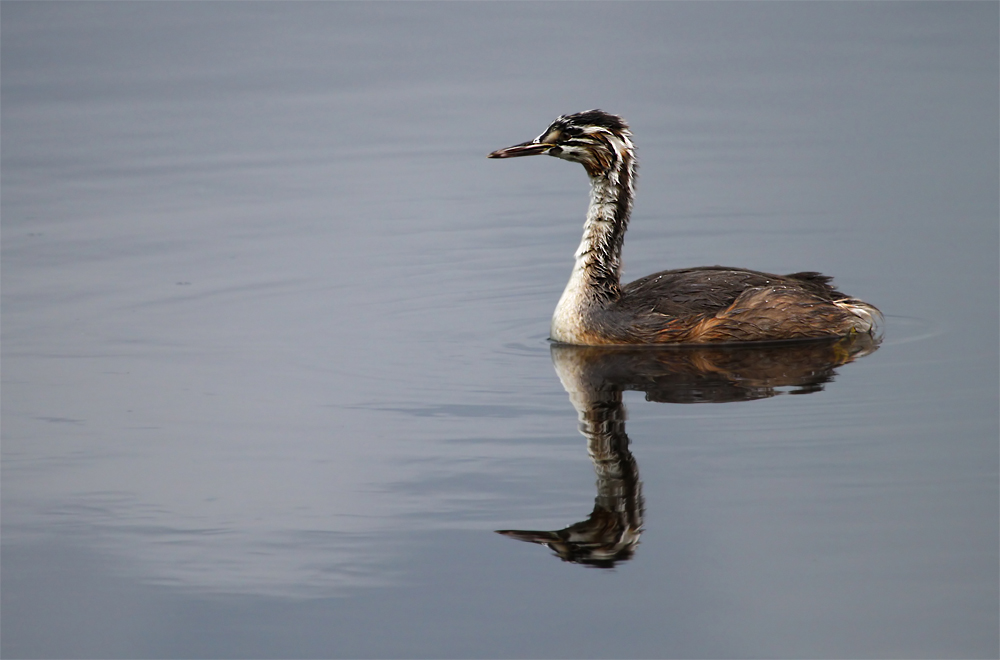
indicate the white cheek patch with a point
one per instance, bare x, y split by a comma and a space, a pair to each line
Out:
551, 137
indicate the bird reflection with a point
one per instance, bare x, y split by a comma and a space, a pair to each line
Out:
595, 377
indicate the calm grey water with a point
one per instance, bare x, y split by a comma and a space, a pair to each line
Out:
274, 332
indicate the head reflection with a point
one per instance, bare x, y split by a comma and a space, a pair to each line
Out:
595, 377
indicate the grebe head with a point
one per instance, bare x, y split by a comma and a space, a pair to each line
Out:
597, 139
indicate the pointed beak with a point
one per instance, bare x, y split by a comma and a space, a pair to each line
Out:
530, 536
523, 149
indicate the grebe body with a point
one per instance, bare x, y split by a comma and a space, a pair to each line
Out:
691, 305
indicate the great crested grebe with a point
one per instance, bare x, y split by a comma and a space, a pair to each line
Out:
690, 305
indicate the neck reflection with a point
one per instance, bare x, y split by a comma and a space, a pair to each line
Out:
595, 377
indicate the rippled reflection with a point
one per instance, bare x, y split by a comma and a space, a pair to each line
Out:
595, 377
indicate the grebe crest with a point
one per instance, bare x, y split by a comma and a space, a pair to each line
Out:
693, 305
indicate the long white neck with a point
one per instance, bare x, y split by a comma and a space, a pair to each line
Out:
596, 277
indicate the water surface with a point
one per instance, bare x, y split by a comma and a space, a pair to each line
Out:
275, 364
